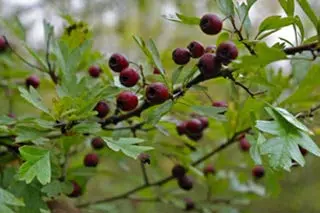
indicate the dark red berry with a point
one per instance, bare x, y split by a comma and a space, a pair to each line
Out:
189, 204
244, 144
210, 24
118, 62
11, 115
127, 101
94, 71
157, 93
178, 171
219, 104
194, 126
185, 183
258, 171
303, 151
181, 128
226, 52
210, 49
33, 81
129, 77
144, 158
181, 56
196, 49
156, 71
102, 108
204, 121
91, 160
195, 136
76, 189
97, 143
208, 65
3, 43
209, 169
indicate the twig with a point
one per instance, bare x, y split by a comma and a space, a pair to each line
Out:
50, 68
144, 173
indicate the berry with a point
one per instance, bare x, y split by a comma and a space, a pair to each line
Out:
194, 126
33, 81
181, 128
196, 49
157, 93
97, 143
156, 71
204, 121
127, 101
210, 24
102, 108
244, 144
210, 49
226, 52
91, 160
144, 158
219, 104
195, 136
208, 65
209, 169
94, 71
118, 62
181, 56
303, 151
258, 171
76, 190
185, 183
189, 204
3, 43
129, 77
178, 171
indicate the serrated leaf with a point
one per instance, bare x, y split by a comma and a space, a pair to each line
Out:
190, 20
274, 23
306, 142
25, 133
34, 98
210, 111
87, 127
153, 115
255, 147
271, 127
36, 165
226, 7
129, 146
6, 198
56, 188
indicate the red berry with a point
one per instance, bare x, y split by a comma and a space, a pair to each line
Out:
210, 24
181, 128
127, 101
181, 56
156, 71
226, 52
210, 49
208, 65
178, 171
118, 62
204, 121
244, 144
194, 126
303, 151
258, 171
195, 136
102, 108
157, 93
185, 183
94, 71
209, 169
189, 204
219, 104
76, 190
3, 43
33, 81
91, 160
196, 49
144, 158
129, 77
97, 143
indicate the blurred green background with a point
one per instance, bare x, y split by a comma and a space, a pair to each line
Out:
113, 24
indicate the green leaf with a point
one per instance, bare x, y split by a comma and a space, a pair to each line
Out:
154, 114
129, 146
275, 23
288, 6
25, 133
87, 127
306, 7
255, 147
190, 20
34, 98
37, 164
271, 127
56, 188
226, 7
176, 74
36, 57
306, 142
210, 111
6, 198
155, 55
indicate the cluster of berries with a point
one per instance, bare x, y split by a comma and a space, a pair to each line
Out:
193, 128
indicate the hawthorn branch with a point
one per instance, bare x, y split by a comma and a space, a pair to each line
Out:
315, 46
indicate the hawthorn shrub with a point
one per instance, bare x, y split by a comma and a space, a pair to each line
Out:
107, 110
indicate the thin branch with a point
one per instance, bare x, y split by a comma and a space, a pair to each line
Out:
315, 46
50, 68
144, 173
